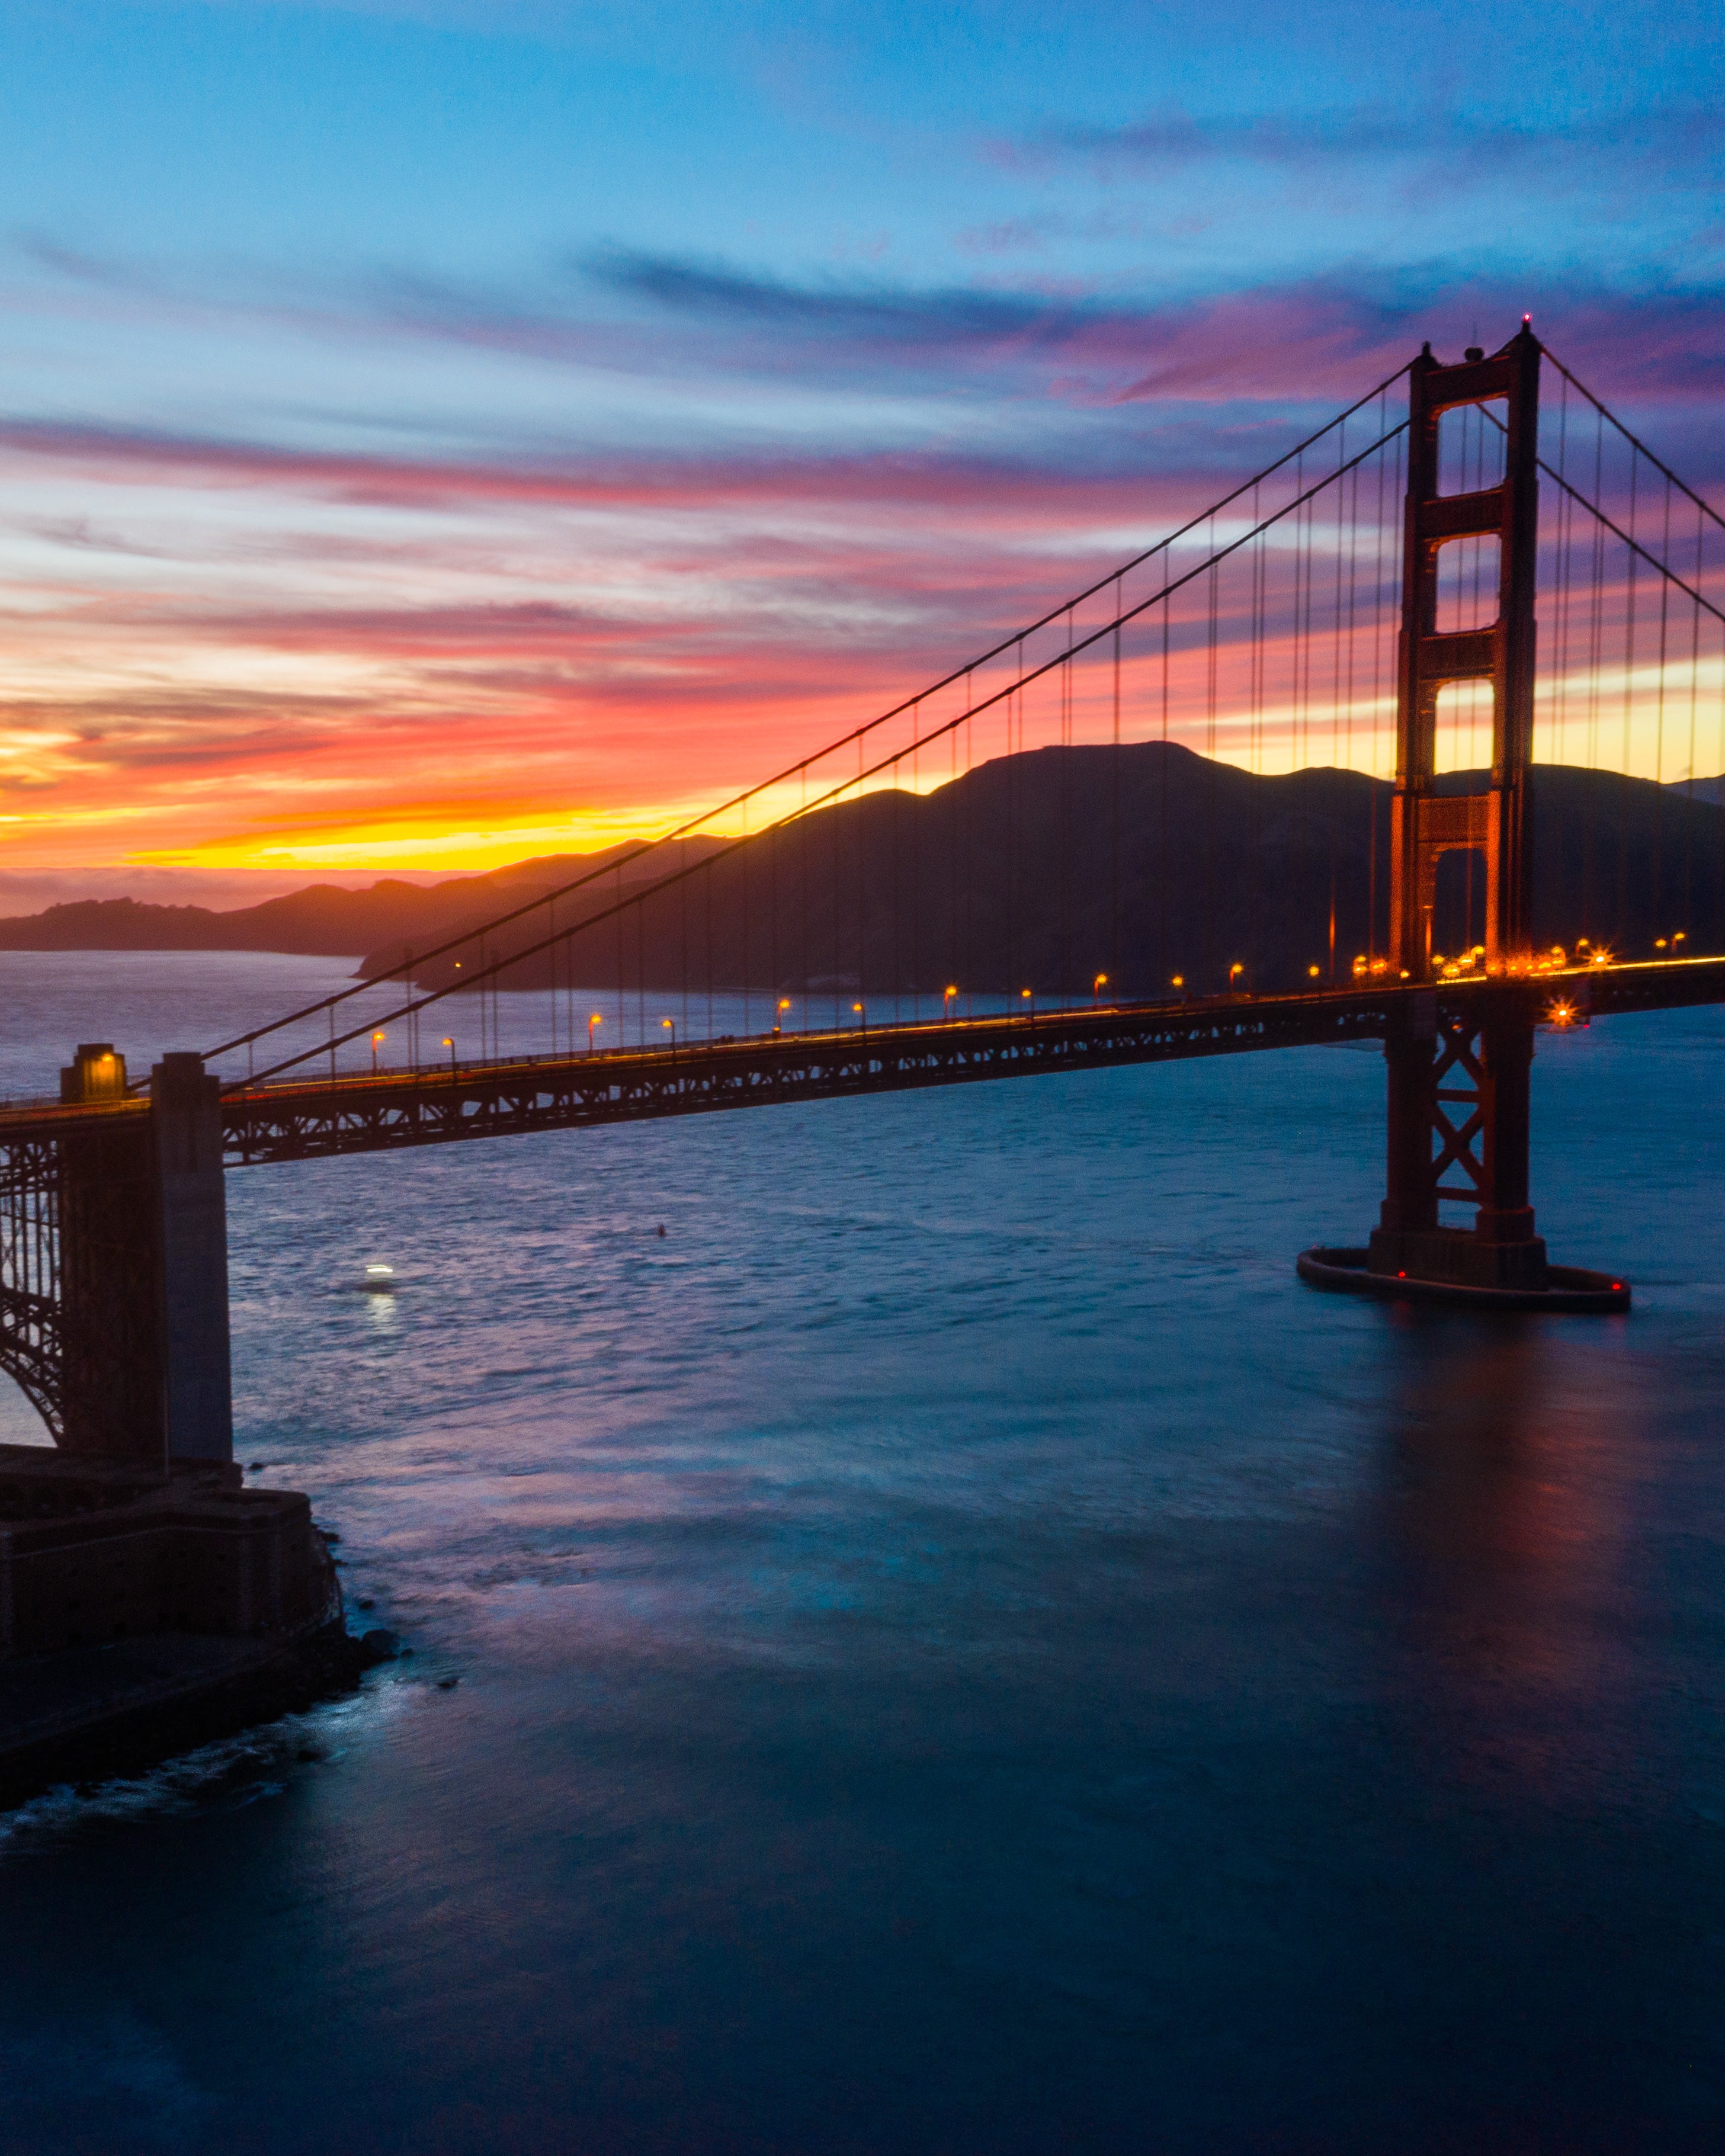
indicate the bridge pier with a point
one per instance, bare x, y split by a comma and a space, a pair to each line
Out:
191, 1213
143, 1269
1452, 1086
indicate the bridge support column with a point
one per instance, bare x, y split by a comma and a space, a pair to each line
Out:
1458, 1107
143, 1269
191, 1211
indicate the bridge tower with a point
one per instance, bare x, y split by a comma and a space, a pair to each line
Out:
1459, 1069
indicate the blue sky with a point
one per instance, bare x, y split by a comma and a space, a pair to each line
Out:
795, 306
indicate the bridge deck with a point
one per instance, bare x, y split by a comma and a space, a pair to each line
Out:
308, 1118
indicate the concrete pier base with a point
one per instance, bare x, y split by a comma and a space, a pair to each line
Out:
1460, 1255
1571, 1290
142, 1612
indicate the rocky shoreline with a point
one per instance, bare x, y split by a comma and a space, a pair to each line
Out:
144, 1612
88, 1714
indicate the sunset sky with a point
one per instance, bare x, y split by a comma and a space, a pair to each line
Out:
432, 434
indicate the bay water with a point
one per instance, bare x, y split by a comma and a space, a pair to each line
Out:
953, 1647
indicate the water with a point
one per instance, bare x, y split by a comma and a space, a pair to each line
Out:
957, 1649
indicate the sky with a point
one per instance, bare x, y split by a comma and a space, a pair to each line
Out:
434, 435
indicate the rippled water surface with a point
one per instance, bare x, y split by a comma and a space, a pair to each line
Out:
958, 1649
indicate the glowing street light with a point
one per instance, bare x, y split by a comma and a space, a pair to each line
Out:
377, 1043
598, 1018
1233, 973
670, 1027
1027, 995
1096, 988
448, 1043
785, 1004
948, 1001
1311, 973
859, 1013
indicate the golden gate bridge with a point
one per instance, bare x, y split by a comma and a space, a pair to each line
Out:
1368, 750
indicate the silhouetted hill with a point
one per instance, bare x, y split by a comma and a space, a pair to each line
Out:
1043, 870
324, 920
1037, 870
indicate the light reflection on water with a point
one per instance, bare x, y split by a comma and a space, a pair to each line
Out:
956, 1647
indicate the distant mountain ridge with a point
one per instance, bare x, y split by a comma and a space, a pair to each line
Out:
1035, 871
1040, 870
322, 920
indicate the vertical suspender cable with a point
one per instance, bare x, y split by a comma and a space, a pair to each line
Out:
1114, 818
1661, 910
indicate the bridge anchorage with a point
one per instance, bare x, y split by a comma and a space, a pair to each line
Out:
1459, 1066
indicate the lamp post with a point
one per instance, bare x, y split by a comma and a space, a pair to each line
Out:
670, 1026
947, 1002
785, 1004
1096, 988
1233, 973
448, 1043
857, 1011
1029, 996
377, 1043
598, 1018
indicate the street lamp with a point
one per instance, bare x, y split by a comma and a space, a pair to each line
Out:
857, 1009
670, 1027
1096, 988
377, 1043
1311, 973
1027, 995
1233, 973
948, 1001
785, 1004
598, 1018
450, 1044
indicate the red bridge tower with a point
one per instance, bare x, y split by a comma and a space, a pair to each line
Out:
1459, 1062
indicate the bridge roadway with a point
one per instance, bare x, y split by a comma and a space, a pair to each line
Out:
312, 1117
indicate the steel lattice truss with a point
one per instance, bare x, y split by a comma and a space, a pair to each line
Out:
30, 1341
302, 1122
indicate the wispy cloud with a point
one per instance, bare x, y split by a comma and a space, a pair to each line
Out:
671, 319
215, 635
1475, 149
